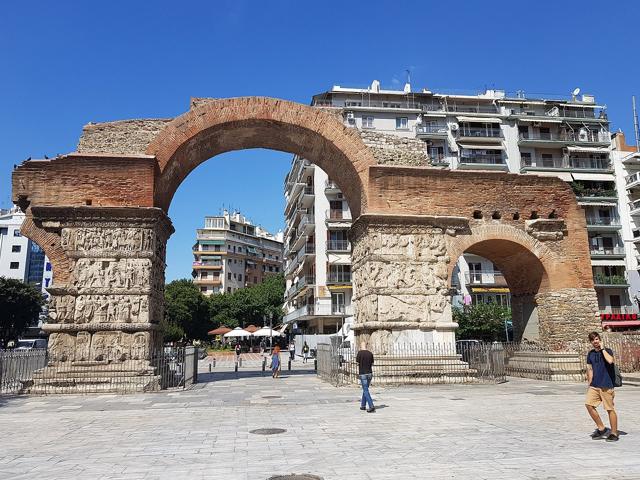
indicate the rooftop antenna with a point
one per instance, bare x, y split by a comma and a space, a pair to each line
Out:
408, 76
575, 93
635, 123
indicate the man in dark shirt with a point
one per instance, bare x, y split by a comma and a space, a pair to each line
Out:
600, 375
364, 358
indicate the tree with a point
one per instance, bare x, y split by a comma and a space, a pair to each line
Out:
249, 305
186, 312
20, 305
484, 321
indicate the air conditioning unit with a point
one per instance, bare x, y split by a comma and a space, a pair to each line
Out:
454, 126
537, 124
339, 195
350, 116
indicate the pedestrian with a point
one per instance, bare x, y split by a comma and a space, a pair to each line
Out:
364, 359
238, 351
262, 346
305, 352
292, 351
275, 362
601, 375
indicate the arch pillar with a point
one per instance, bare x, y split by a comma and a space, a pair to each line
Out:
105, 312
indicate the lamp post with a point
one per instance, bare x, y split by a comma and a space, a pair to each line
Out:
271, 330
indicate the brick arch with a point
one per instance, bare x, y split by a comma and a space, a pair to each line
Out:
528, 265
50, 244
224, 125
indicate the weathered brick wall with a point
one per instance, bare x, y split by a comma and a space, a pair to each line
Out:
123, 136
393, 150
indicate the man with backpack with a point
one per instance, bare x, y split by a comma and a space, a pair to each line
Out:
601, 375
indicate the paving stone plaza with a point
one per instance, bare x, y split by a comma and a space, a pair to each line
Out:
519, 429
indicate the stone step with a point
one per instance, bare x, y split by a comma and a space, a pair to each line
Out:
145, 383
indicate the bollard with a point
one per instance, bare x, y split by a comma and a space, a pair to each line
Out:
236, 367
289, 364
315, 364
264, 364
214, 362
209, 368
240, 361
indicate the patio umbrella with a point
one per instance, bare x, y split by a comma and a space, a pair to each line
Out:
237, 332
219, 331
251, 328
266, 332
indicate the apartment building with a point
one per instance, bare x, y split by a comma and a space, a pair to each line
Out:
20, 258
232, 253
567, 138
317, 251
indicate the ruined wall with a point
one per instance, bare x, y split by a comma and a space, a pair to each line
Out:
123, 136
393, 150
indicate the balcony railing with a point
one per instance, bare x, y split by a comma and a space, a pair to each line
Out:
484, 277
483, 160
634, 205
335, 214
308, 190
585, 137
633, 178
472, 108
331, 185
603, 221
602, 279
433, 129
479, 132
339, 309
338, 245
577, 163
336, 277
618, 310
607, 251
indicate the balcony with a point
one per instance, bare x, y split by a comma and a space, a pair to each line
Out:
439, 160
486, 161
432, 131
538, 138
610, 252
340, 310
308, 311
307, 250
566, 163
633, 180
634, 208
207, 281
338, 246
331, 188
619, 310
603, 223
342, 278
472, 109
479, 132
610, 281
485, 277
337, 216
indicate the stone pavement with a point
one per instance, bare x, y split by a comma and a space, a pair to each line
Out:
520, 429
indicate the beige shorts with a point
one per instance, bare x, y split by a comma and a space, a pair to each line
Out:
596, 396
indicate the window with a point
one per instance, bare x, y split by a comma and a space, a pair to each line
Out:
228, 289
402, 123
14, 265
203, 289
203, 275
240, 277
525, 158
48, 267
277, 269
216, 248
523, 131
16, 233
255, 279
367, 122
229, 276
16, 248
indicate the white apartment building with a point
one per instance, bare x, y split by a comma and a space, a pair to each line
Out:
568, 138
317, 252
20, 258
231, 253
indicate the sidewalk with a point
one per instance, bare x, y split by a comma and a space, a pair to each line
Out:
521, 429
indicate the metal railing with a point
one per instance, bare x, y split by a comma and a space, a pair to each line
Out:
479, 132
488, 277
578, 163
435, 129
603, 221
634, 205
31, 372
633, 178
482, 160
619, 310
342, 277
602, 279
338, 245
585, 137
607, 251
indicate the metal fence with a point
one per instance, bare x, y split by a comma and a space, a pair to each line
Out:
474, 362
29, 371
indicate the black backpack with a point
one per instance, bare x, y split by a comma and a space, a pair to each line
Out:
617, 378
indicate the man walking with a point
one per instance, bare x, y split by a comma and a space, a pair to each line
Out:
600, 375
364, 358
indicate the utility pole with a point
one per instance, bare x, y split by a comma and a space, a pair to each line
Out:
271, 330
635, 123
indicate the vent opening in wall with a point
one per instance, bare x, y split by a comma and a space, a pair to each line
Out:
496, 215
87, 202
534, 215
477, 214
516, 216
553, 214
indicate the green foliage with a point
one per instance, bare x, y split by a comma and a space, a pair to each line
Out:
249, 305
186, 312
481, 322
20, 305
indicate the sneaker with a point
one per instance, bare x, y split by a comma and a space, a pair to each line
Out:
371, 410
612, 438
600, 434
363, 408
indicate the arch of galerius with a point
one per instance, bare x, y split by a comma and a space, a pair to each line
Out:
100, 214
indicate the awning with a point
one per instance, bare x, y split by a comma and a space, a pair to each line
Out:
605, 263
334, 288
573, 148
539, 120
251, 250
566, 176
489, 289
479, 119
594, 177
211, 242
587, 203
629, 323
475, 146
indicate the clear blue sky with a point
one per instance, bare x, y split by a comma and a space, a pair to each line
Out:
64, 64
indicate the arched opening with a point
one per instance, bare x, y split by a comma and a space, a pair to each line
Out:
505, 273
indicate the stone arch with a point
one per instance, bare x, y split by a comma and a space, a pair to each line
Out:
50, 243
219, 126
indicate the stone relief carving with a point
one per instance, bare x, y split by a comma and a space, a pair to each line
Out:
61, 347
113, 239
546, 229
62, 308
83, 346
105, 273
111, 309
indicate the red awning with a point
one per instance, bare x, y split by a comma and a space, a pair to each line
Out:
621, 324
219, 331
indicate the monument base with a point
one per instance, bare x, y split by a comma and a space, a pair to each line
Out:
95, 377
550, 366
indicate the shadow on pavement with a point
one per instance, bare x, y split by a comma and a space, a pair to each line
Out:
230, 375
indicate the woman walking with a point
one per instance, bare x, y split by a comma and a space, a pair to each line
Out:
275, 362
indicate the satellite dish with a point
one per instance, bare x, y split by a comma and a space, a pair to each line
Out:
576, 91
